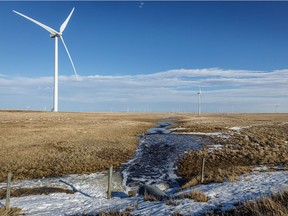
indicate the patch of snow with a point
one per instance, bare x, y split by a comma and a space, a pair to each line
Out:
249, 187
218, 134
222, 195
213, 147
81, 183
201, 133
237, 128
177, 129
261, 168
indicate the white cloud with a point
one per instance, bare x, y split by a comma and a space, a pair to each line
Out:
249, 91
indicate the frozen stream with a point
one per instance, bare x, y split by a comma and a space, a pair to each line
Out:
156, 157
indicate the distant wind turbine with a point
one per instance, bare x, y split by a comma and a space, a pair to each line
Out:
199, 101
275, 108
55, 34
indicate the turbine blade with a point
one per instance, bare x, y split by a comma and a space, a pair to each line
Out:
52, 31
64, 24
69, 56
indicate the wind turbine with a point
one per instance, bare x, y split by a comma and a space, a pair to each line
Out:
275, 109
54, 34
199, 101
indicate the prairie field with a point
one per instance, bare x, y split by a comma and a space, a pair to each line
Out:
245, 141
46, 144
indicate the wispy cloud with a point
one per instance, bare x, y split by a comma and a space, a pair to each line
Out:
249, 91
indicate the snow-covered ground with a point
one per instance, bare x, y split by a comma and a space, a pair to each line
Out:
90, 195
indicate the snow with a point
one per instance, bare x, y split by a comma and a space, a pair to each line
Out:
178, 128
90, 189
238, 128
92, 199
214, 147
201, 133
218, 134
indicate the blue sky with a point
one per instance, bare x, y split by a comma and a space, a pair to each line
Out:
149, 58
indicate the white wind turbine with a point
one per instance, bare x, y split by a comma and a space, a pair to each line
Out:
55, 34
199, 101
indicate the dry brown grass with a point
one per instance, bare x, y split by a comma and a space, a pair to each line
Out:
276, 205
219, 165
43, 144
171, 202
20, 192
265, 142
150, 198
111, 212
196, 195
11, 212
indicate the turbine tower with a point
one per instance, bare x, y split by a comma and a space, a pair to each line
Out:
199, 101
54, 34
275, 108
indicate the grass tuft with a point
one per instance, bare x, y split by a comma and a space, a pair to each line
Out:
20, 192
275, 205
196, 195
11, 212
150, 198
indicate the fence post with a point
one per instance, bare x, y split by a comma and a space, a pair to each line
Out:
8, 191
202, 169
109, 183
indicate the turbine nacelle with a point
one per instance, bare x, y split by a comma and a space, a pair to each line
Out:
53, 32
199, 92
55, 35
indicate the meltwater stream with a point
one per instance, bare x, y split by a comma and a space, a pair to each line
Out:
156, 157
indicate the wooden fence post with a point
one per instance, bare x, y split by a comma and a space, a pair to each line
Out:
202, 169
109, 183
8, 191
